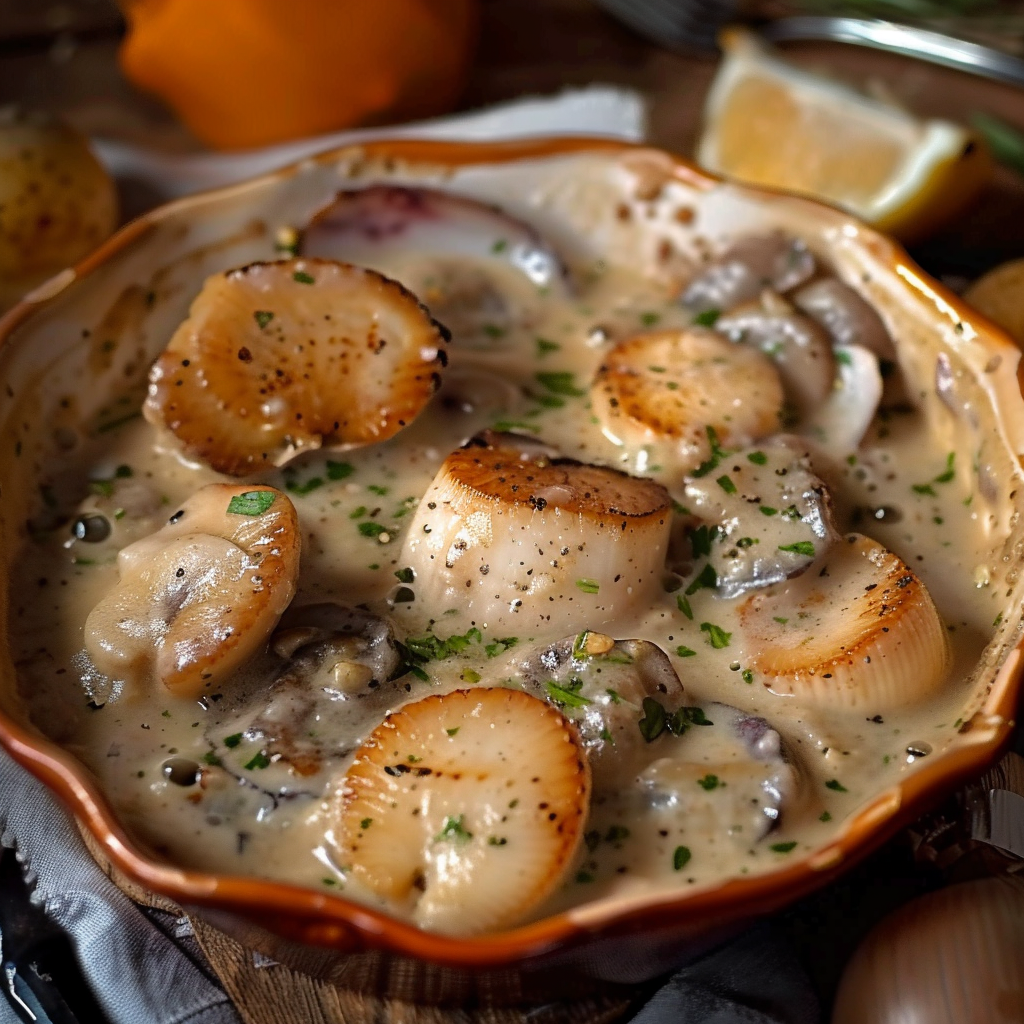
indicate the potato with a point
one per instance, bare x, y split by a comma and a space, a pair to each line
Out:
57, 203
1000, 296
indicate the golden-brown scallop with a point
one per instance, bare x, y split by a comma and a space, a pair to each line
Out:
466, 809
862, 632
521, 540
199, 597
666, 395
280, 358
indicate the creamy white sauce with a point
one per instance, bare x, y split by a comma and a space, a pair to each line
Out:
354, 522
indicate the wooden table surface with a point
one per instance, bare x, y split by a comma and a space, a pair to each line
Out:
61, 55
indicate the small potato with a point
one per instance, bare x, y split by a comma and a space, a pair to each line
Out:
999, 294
57, 203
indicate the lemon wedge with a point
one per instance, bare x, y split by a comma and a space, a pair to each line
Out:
769, 123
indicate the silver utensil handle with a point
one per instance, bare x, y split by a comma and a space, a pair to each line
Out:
904, 39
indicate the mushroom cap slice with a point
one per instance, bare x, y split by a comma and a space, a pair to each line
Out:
199, 597
466, 809
279, 358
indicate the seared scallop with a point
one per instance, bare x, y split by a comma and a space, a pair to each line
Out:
667, 396
464, 809
862, 632
279, 358
199, 597
520, 540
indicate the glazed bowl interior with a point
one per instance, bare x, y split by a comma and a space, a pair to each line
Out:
595, 201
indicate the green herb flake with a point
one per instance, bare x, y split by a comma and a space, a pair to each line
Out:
567, 696
262, 318
780, 619
708, 318
950, 472
365, 823
358, 513
104, 488
454, 731
685, 652
767, 510
260, 760
683, 604
717, 454
725, 482
434, 648
758, 458
681, 857
251, 503
560, 383
616, 833
654, 720
649, 319
371, 529
842, 357
329, 881
588, 586
303, 278
119, 513
500, 245
544, 346
339, 470
783, 847
824, 816
302, 489
923, 489
233, 740
613, 696
497, 840
499, 645
453, 830
709, 782
747, 676
707, 579
801, 547
836, 785
701, 540
377, 489
716, 636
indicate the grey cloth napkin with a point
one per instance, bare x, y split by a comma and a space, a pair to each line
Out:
143, 967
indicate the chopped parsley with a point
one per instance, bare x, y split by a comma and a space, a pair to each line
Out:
453, 830
708, 318
251, 503
588, 586
685, 652
303, 278
825, 816
681, 857
561, 383
307, 487
707, 578
683, 604
709, 782
544, 346
371, 529
767, 510
836, 785
649, 319
499, 645
842, 357
758, 458
652, 724
259, 760
784, 847
656, 719
433, 648
801, 547
717, 454
405, 575
701, 539
365, 823
717, 637
233, 740
725, 482
568, 696
263, 317
339, 470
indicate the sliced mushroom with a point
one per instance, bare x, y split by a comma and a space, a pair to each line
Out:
336, 683
670, 396
372, 226
838, 424
763, 516
464, 809
745, 269
600, 684
798, 345
279, 358
849, 319
731, 779
568, 543
199, 597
